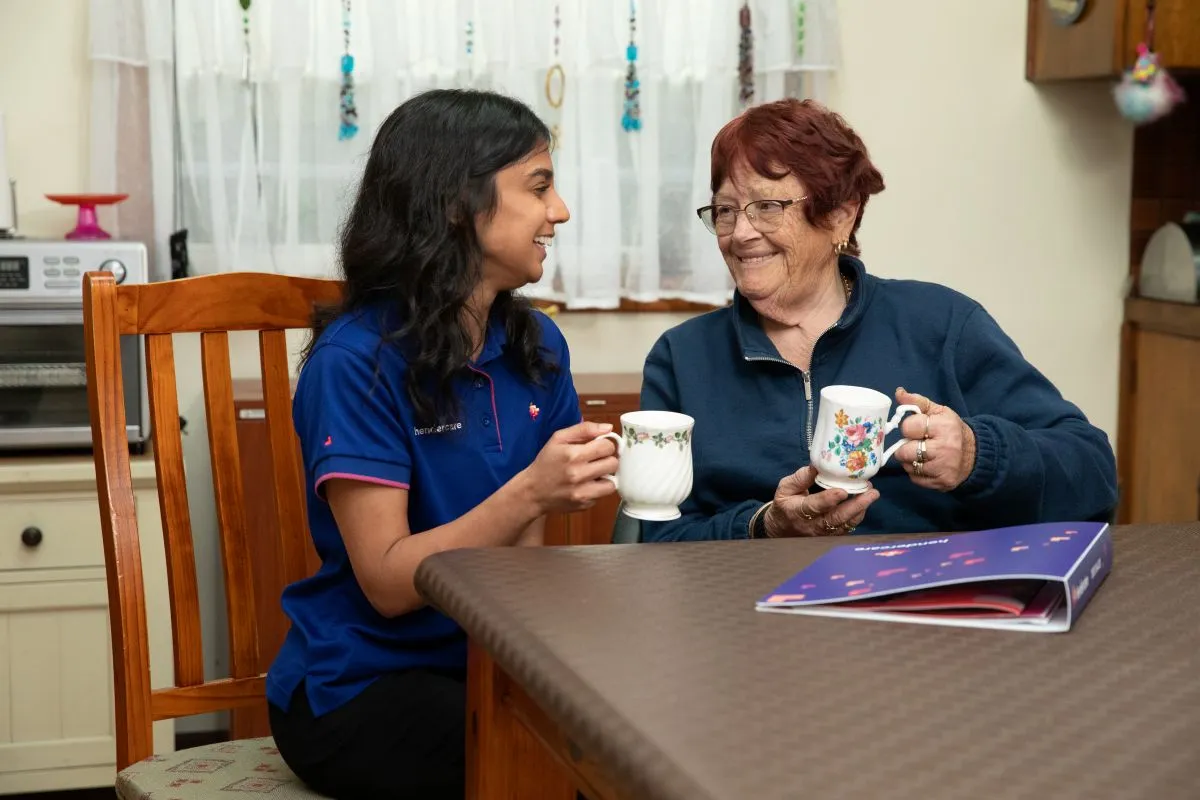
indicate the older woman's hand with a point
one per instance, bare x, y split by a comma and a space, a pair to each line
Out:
795, 512
942, 452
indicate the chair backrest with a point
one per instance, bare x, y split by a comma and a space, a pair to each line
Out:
211, 306
626, 529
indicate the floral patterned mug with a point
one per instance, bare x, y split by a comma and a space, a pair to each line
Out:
655, 471
847, 446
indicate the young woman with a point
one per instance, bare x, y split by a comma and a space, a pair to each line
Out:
435, 410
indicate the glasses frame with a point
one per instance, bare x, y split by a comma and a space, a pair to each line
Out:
784, 204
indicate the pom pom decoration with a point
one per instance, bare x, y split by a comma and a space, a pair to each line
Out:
1147, 92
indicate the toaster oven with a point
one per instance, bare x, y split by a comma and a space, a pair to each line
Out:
43, 381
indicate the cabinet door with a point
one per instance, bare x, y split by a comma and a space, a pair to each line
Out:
55, 676
558, 530
56, 723
595, 525
1166, 445
1176, 33
56, 715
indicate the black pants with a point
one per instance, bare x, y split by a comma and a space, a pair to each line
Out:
403, 737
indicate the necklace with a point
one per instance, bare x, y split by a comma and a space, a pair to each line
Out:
847, 286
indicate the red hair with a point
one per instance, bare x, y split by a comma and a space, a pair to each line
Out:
805, 139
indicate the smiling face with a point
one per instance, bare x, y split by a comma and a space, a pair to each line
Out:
776, 269
515, 237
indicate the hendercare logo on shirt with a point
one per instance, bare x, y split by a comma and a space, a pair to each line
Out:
446, 428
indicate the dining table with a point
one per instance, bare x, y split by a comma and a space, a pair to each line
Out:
645, 671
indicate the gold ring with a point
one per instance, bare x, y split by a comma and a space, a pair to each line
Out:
849, 528
562, 85
832, 528
804, 509
919, 469
926, 434
920, 452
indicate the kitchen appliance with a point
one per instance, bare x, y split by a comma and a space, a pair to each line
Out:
43, 382
1171, 262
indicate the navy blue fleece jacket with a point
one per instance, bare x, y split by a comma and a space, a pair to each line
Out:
1037, 456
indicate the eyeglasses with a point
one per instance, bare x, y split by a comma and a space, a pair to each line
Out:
765, 215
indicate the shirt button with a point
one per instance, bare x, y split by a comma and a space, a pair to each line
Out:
487, 421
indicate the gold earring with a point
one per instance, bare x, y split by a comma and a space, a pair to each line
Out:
840, 247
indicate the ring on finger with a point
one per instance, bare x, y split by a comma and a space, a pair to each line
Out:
919, 469
849, 527
920, 452
804, 512
926, 434
829, 526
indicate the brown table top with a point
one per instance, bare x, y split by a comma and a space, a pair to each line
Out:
652, 657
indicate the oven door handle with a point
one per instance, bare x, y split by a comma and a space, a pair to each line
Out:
41, 316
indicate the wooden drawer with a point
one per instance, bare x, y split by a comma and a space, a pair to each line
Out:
69, 525
603, 393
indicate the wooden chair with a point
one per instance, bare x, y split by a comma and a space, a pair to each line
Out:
211, 306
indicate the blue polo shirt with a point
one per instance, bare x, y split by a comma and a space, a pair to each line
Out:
354, 420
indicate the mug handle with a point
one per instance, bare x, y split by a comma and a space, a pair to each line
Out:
894, 423
620, 450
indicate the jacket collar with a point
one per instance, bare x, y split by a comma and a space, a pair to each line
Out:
754, 341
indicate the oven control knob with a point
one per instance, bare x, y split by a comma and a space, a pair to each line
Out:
116, 268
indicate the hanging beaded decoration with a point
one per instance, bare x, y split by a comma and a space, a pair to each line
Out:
556, 79
800, 29
349, 113
470, 37
745, 57
631, 120
251, 94
245, 4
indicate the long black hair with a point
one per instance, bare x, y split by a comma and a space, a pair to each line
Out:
410, 242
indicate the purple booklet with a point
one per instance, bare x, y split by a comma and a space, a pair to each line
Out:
1027, 577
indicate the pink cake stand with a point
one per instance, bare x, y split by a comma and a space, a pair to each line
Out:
87, 226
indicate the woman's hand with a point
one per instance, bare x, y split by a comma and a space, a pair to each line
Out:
569, 472
942, 452
795, 512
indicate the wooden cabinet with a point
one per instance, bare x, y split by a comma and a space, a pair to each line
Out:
56, 716
266, 558
602, 398
1158, 437
1103, 41
1161, 448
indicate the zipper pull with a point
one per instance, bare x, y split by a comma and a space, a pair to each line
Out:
807, 387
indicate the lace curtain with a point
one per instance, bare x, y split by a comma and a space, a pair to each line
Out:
250, 162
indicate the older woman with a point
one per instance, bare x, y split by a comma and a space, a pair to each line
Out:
996, 443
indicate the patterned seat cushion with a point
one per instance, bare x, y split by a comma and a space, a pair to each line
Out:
239, 770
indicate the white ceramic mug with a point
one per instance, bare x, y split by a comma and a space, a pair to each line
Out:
847, 446
655, 471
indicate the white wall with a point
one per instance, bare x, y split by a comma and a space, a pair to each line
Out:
45, 95
1016, 195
